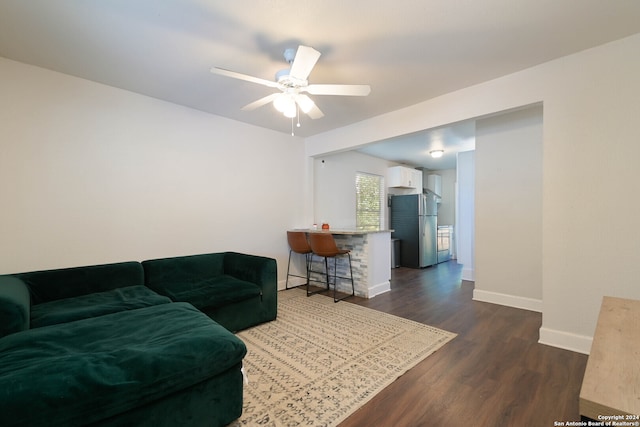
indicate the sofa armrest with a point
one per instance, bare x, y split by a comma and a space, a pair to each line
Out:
255, 269
15, 305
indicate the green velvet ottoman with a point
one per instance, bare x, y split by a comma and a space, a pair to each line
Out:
164, 365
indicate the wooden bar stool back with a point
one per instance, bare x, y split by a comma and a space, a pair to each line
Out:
324, 245
298, 243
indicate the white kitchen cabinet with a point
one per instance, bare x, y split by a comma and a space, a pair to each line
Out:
404, 177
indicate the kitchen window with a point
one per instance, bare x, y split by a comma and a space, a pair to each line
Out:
369, 201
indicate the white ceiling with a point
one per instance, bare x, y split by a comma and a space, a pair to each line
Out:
414, 149
408, 50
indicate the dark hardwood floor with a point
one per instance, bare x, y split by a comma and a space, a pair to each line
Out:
494, 373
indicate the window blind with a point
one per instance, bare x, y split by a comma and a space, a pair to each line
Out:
369, 201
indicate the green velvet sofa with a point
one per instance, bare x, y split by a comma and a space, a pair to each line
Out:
97, 345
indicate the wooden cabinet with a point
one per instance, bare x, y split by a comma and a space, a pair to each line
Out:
404, 177
611, 383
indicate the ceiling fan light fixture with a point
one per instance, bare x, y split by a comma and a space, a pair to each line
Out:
284, 103
290, 112
436, 154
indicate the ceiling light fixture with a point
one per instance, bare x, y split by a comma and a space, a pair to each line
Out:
291, 103
436, 154
286, 105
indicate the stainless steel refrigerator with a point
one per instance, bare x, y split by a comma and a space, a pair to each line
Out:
415, 222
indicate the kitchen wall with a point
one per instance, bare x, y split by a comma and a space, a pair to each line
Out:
334, 186
591, 108
93, 174
508, 239
447, 206
465, 213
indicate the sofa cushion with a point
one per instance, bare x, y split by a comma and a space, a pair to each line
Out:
92, 305
81, 372
187, 267
50, 285
14, 306
209, 293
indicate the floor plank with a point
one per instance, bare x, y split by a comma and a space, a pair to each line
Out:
493, 374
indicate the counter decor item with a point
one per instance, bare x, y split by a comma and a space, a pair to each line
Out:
325, 226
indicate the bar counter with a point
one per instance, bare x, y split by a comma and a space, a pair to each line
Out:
342, 231
370, 259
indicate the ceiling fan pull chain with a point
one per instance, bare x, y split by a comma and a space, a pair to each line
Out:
292, 134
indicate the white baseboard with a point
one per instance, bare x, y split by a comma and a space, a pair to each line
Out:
468, 274
566, 340
378, 289
508, 300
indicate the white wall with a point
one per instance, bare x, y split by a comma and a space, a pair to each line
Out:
93, 174
590, 168
335, 199
590, 152
465, 213
508, 205
447, 207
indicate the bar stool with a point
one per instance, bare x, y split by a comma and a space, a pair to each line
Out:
298, 244
324, 245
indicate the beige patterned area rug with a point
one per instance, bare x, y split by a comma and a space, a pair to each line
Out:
320, 361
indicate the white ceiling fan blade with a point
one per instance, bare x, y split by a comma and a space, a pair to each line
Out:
260, 102
347, 90
304, 61
315, 112
233, 74
309, 107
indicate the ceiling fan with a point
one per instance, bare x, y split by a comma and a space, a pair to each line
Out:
293, 82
